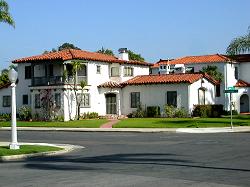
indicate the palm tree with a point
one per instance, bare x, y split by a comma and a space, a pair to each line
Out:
240, 44
4, 13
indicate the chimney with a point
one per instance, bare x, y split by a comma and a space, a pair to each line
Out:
123, 54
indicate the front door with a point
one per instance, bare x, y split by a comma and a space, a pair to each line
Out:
111, 103
244, 103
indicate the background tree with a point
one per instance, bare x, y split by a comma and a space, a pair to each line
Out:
67, 46
5, 15
240, 44
106, 51
134, 56
4, 79
75, 85
213, 72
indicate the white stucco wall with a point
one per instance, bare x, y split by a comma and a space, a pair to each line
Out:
154, 95
244, 71
194, 94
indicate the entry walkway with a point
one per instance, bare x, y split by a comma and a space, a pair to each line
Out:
110, 123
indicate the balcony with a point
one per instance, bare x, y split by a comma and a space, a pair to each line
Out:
56, 80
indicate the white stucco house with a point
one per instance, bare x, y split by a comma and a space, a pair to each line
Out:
235, 72
115, 85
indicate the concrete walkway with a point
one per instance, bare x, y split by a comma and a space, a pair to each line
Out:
110, 123
145, 130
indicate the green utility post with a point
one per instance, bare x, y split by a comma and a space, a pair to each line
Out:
231, 90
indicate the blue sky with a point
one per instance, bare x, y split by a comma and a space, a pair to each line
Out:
154, 28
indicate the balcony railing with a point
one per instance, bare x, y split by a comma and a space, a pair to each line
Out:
56, 80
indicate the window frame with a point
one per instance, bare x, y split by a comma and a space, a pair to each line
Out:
236, 73
135, 99
118, 72
169, 101
83, 102
27, 72
98, 69
58, 102
25, 98
128, 71
37, 104
8, 102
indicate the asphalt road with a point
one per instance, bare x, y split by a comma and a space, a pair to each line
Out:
134, 159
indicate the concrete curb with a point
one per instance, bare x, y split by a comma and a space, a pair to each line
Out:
144, 130
66, 149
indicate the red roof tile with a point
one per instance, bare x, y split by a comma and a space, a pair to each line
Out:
168, 79
110, 84
194, 59
242, 83
70, 54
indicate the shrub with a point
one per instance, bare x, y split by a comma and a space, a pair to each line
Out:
5, 117
181, 113
153, 111
234, 112
170, 111
205, 111
24, 113
90, 115
59, 118
139, 113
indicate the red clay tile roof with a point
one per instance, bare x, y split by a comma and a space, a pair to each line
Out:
70, 54
168, 79
194, 59
241, 83
110, 84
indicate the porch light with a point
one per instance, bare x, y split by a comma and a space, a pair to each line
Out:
13, 77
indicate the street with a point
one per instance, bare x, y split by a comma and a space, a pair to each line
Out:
133, 159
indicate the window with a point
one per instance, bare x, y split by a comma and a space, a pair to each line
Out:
37, 101
201, 95
135, 99
190, 69
27, 72
58, 100
115, 72
236, 73
6, 101
128, 71
84, 99
98, 69
51, 70
172, 98
25, 99
217, 90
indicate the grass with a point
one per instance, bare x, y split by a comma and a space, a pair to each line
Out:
26, 149
238, 120
69, 124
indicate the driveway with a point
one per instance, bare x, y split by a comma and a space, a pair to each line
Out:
134, 159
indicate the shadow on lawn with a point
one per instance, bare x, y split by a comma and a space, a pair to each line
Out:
116, 162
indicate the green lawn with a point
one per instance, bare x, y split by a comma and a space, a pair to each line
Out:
26, 149
72, 124
182, 122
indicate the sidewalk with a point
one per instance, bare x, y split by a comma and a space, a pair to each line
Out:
146, 130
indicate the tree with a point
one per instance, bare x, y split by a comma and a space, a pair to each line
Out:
106, 51
240, 44
76, 86
5, 15
213, 72
66, 46
134, 56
